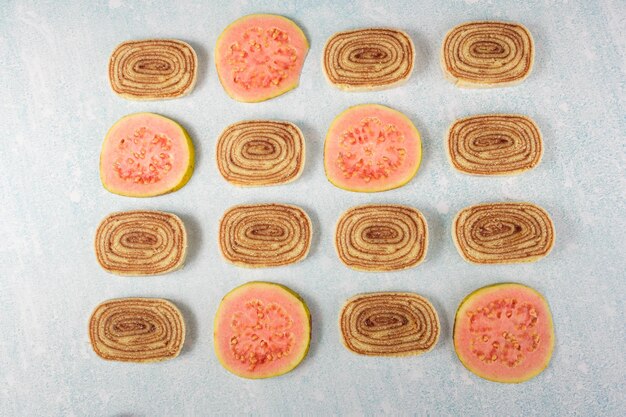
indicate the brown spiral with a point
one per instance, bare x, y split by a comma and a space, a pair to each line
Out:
368, 59
487, 54
501, 233
141, 243
265, 235
494, 144
153, 69
260, 152
381, 237
137, 330
389, 324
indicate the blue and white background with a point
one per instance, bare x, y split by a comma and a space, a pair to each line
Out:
56, 106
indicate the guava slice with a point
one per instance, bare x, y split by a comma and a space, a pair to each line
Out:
145, 155
504, 333
371, 148
261, 330
260, 56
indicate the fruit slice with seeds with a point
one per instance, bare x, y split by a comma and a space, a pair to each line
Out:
371, 148
146, 155
260, 56
504, 333
261, 330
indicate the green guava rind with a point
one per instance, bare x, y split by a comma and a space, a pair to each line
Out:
335, 177
277, 20
126, 190
221, 339
483, 296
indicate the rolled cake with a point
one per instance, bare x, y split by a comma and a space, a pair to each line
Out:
389, 324
260, 152
368, 59
502, 233
381, 237
153, 69
141, 243
487, 54
265, 235
494, 144
137, 330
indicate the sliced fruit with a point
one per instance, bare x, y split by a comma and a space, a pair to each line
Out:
504, 333
144, 155
371, 148
261, 330
260, 56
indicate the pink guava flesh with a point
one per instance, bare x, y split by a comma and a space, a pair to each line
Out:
371, 148
144, 155
504, 333
259, 57
261, 330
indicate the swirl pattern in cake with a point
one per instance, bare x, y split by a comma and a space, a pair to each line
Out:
389, 324
141, 243
494, 144
502, 233
137, 330
265, 235
260, 152
368, 59
487, 54
381, 237
153, 69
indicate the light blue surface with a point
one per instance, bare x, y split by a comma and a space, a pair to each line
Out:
56, 105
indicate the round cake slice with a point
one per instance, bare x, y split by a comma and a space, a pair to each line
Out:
503, 233
255, 153
368, 59
141, 242
265, 235
494, 144
381, 237
153, 69
389, 324
487, 54
137, 330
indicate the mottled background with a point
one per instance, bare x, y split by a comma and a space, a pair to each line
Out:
56, 106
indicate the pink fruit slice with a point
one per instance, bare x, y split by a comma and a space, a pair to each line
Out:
371, 148
504, 333
145, 155
261, 330
260, 56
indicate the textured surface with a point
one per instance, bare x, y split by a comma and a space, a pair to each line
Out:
57, 106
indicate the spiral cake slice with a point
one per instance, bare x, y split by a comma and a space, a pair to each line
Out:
494, 144
381, 237
487, 54
260, 152
141, 243
389, 324
137, 330
153, 69
265, 235
368, 59
502, 233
